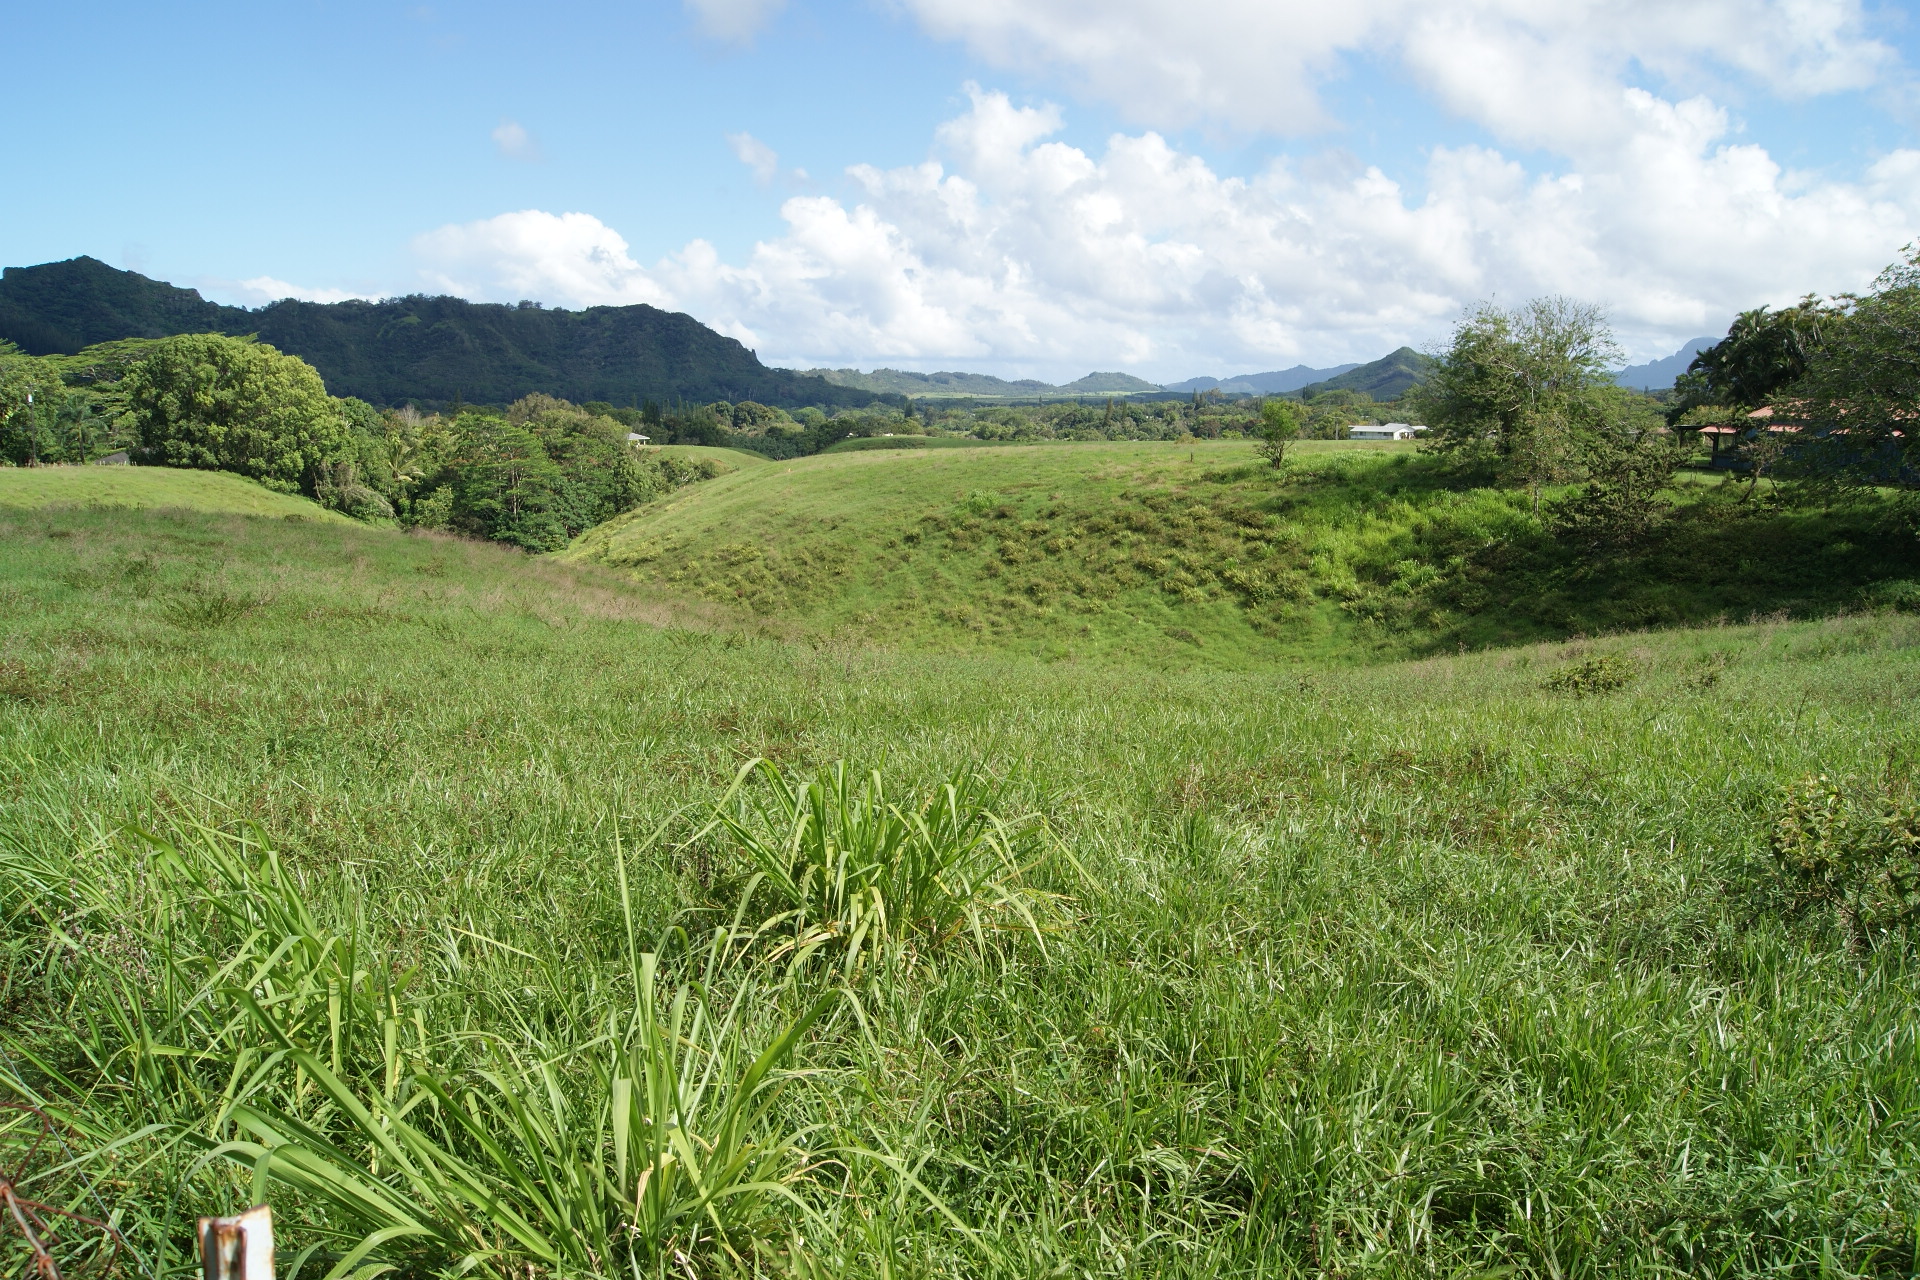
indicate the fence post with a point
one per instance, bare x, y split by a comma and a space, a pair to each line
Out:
238, 1248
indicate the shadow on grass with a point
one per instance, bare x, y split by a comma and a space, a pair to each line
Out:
1716, 559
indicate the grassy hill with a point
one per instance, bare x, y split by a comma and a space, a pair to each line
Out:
210, 491
1472, 965
725, 459
1175, 554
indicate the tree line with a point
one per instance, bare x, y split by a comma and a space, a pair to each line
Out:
1822, 397
534, 474
781, 434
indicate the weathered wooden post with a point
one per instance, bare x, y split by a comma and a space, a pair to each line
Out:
238, 1248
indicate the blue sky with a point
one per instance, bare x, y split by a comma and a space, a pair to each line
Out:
1038, 188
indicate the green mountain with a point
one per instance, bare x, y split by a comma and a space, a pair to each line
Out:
429, 350
1110, 384
1383, 379
908, 383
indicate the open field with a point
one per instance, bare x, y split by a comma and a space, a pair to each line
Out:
151, 487
1425, 968
1175, 554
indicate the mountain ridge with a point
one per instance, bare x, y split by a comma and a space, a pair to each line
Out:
1658, 375
952, 383
428, 350
1276, 382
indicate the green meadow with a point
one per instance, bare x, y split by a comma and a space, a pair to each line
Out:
1376, 925
152, 487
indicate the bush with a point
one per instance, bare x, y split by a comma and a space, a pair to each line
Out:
216, 403
1854, 849
1602, 674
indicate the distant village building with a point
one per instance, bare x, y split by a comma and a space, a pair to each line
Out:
119, 459
1726, 439
634, 437
1383, 431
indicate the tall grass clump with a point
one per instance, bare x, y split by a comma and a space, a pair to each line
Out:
854, 871
644, 1139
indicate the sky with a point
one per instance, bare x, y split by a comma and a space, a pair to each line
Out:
1031, 188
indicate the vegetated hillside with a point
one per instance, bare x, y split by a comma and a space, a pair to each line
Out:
1482, 964
1384, 379
164, 487
427, 350
1200, 553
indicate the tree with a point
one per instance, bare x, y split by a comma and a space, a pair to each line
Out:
30, 390
1520, 387
1330, 413
504, 484
1858, 402
1280, 423
216, 403
1764, 351
1629, 460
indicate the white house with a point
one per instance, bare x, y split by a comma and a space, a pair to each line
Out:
634, 437
1385, 431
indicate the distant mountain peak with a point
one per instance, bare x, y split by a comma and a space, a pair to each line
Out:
1658, 375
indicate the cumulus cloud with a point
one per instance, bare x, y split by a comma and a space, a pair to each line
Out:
1013, 251
513, 141
734, 21
1538, 72
571, 258
264, 289
756, 155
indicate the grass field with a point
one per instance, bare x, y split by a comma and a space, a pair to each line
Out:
1176, 554
151, 487
728, 459
1433, 968
867, 444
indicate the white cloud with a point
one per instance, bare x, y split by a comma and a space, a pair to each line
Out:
570, 258
756, 155
513, 141
1531, 71
1014, 252
264, 289
734, 21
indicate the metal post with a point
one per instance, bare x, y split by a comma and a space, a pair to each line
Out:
238, 1248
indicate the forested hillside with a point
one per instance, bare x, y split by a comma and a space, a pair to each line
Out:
425, 350
1390, 376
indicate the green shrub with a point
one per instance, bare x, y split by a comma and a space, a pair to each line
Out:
1854, 849
1902, 595
1603, 673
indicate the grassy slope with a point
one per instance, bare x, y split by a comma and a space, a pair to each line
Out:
1415, 969
862, 444
151, 487
729, 459
1175, 553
